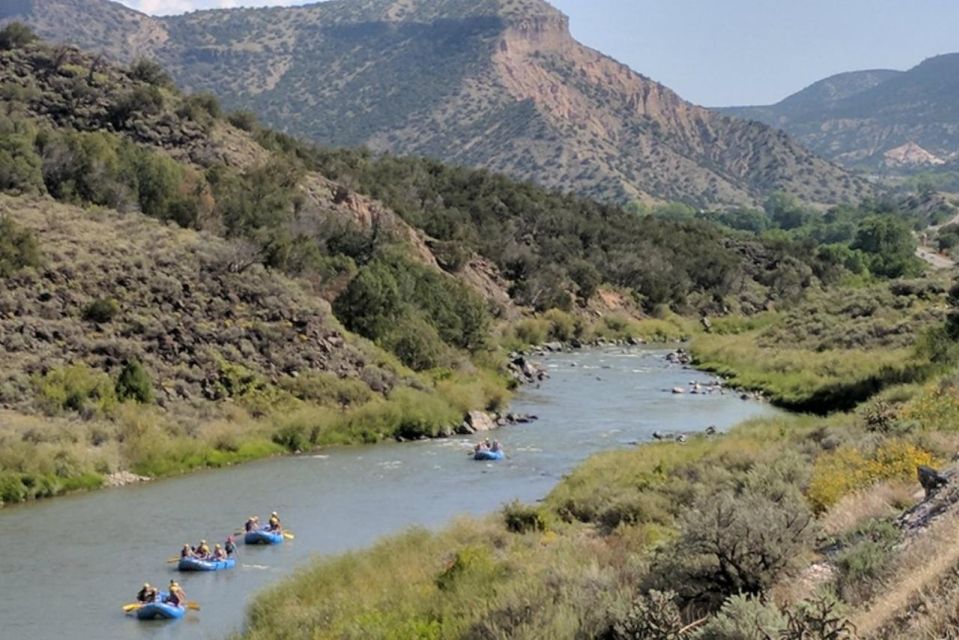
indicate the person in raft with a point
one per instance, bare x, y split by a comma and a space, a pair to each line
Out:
186, 552
218, 553
176, 597
147, 594
482, 446
496, 446
251, 524
275, 523
202, 550
230, 546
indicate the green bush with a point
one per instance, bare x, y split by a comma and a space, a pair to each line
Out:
151, 72
18, 248
16, 35
101, 311
744, 618
134, 383
520, 518
21, 170
76, 388
245, 120
737, 543
654, 616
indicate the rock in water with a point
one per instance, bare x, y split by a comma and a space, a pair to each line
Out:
930, 479
480, 421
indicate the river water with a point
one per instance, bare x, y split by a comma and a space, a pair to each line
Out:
68, 564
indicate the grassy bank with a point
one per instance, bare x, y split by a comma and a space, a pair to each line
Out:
712, 538
43, 456
835, 349
642, 539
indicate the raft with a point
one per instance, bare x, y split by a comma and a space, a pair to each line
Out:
195, 564
160, 610
489, 455
262, 536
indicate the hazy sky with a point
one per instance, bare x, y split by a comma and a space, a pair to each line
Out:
726, 52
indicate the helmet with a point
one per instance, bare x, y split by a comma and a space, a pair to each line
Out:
217, 546
186, 546
202, 541
273, 514
146, 585
173, 582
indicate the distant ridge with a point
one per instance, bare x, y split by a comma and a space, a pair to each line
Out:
499, 84
880, 119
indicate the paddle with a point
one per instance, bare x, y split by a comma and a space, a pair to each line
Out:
130, 608
193, 605
288, 535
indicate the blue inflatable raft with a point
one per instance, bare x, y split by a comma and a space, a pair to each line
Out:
262, 536
489, 455
196, 564
160, 610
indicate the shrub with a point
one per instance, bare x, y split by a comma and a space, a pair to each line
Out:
471, 566
20, 165
520, 518
653, 616
202, 108
134, 383
76, 388
865, 559
840, 472
744, 618
101, 311
16, 35
821, 619
245, 120
151, 72
737, 544
18, 248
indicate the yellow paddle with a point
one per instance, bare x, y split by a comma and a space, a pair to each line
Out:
288, 535
173, 559
193, 605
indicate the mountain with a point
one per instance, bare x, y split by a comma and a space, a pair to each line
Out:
875, 119
499, 84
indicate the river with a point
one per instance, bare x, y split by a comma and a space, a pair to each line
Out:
68, 564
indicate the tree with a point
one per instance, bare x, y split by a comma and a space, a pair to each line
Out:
134, 383
15, 36
890, 246
786, 211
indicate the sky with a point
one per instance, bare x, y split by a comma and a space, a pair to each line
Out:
735, 52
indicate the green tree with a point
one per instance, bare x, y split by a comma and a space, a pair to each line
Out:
134, 383
786, 211
16, 35
21, 170
889, 244
18, 248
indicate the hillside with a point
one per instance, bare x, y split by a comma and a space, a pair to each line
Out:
875, 119
499, 84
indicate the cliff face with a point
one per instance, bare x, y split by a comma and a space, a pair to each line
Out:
499, 84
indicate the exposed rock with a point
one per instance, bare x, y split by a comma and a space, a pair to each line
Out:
930, 479
679, 356
123, 478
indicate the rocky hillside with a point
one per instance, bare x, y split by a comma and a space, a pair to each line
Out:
499, 84
888, 120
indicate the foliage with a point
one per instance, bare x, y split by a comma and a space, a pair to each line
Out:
737, 543
18, 248
653, 616
521, 518
743, 618
76, 388
16, 35
847, 469
20, 166
150, 72
134, 383
101, 311
413, 311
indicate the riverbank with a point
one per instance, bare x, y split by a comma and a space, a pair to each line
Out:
338, 500
47, 456
671, 534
